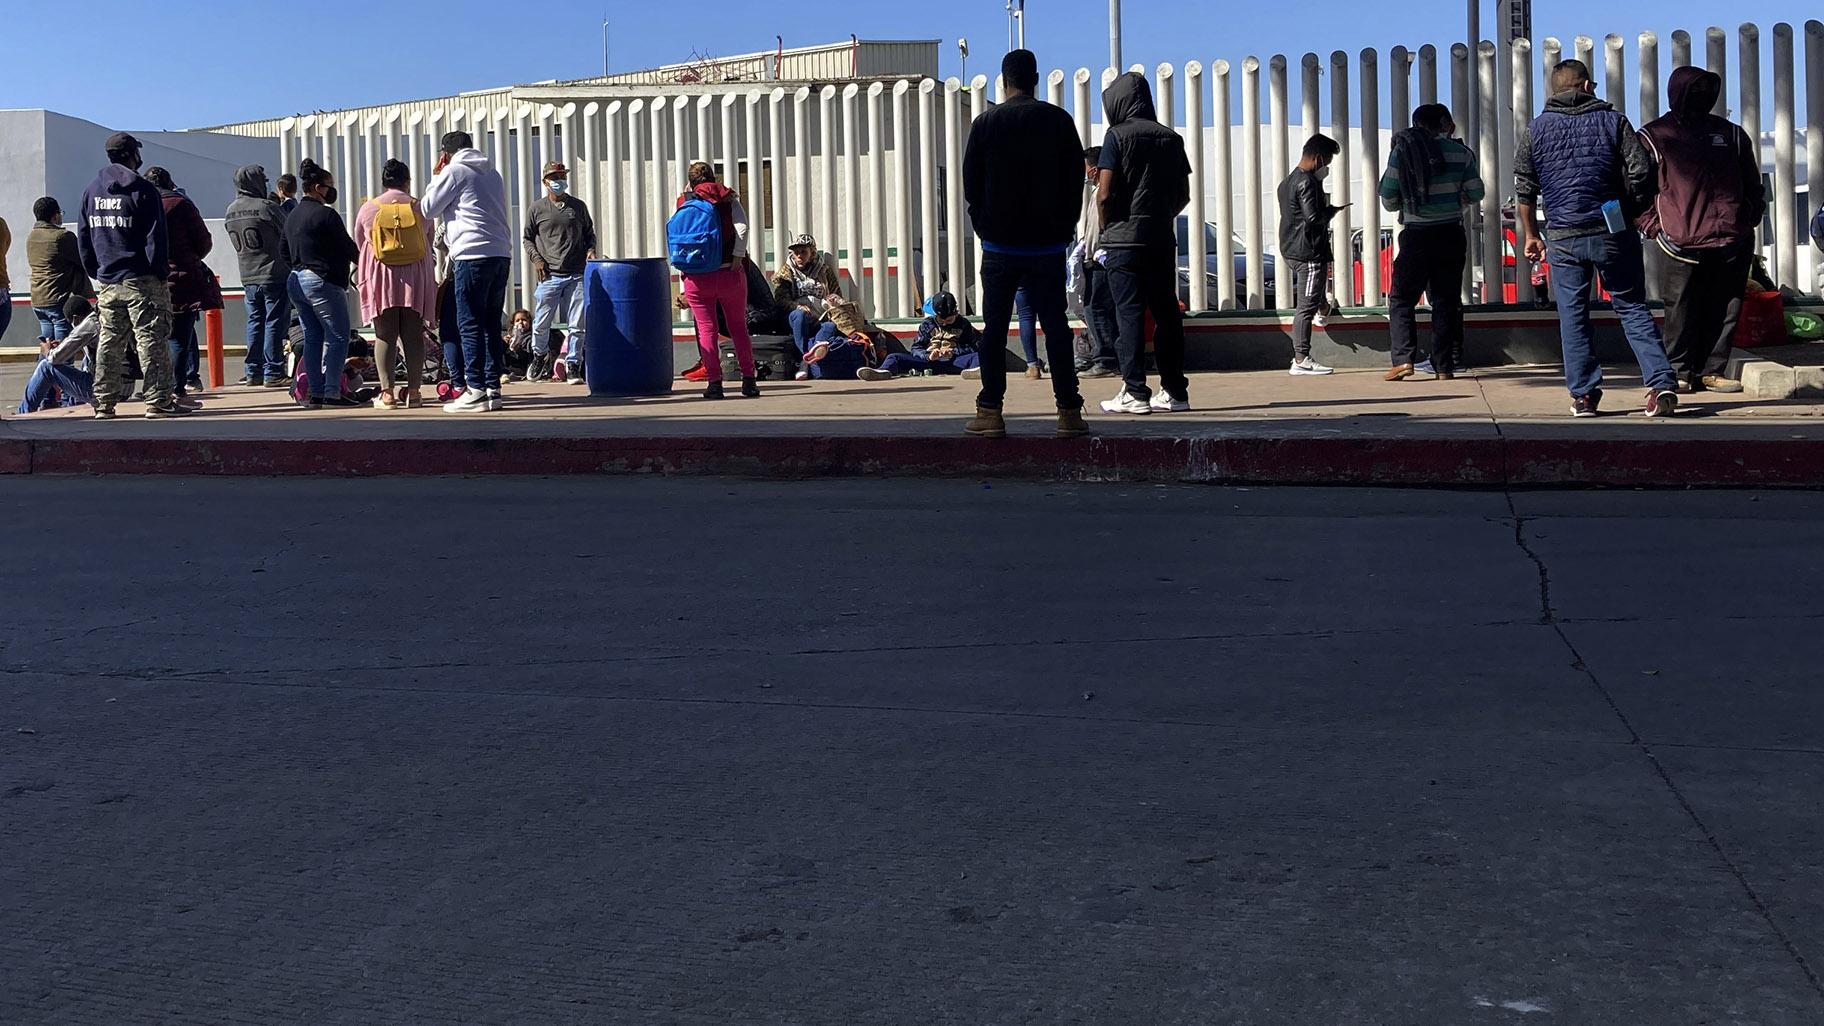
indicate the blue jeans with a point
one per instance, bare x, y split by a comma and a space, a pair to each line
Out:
844, 359
902, 363
558, 292
481, 298
268, 320
185, 360
52, 324
323, 313
53, 385
804, 325
1575, 263
1029, 328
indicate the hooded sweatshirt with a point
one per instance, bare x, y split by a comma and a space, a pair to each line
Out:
193, 284
121, 231
469, 198
1146, 160
1023, 177
1710, 192
255, 224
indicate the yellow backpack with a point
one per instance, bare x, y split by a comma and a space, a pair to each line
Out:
398, 238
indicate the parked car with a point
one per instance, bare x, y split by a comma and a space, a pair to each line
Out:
1213, 266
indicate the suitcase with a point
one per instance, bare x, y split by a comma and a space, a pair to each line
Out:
775, 358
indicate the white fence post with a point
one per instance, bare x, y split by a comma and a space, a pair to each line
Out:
827, 228
658, 121
1279, 142
1163, 98
633, 239
1551, 52
1250, 164
1459, 112
1492, 292
800, 221
1681, 48
956, 271
906, 295
876, 158
851, 192
1649, 77
759, 200
1340, 234
1614, 88
1522, 56
1785, 249
978, 103
1054, 88
1586, 52
1428, 75
589, 143
519, 196
680, 145
610, 230
1749, 59
728, 162
1716, 60
1199, 300
1222, 182
1080, 111
930, 270
1399, 88
1371, 176
775, 173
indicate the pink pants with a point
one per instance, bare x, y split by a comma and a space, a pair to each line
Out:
727, 289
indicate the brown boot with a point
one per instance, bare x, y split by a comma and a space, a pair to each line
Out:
1400, 372
1071, 423
986, 424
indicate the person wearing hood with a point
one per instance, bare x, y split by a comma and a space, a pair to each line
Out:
1305, 213
1704, 218
467, 194
56, 265
721, 294
255, 224
193, 285
1430, 178
122, 240
1023, 184
1144, 182
1583, 159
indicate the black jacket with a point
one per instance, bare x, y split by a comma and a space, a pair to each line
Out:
1304, 219
1023, 175
316, 240
1151, 174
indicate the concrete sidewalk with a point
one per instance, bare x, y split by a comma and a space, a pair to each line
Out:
1504, 426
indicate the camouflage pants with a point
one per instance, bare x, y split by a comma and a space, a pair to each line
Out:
134, 312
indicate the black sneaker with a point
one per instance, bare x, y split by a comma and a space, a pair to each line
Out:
1585, 405
167, 411
277, 383
339, 400
248, 381
714, 391
750, 388
104, 413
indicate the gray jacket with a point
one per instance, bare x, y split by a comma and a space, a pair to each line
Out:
255, 224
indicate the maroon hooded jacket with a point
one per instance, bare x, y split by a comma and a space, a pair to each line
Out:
1710, 191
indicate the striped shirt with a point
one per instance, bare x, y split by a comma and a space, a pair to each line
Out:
1457, 185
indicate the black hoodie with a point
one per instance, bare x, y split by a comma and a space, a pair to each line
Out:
121, 230
1710, 192
1023, 177
255, 226
1151, 176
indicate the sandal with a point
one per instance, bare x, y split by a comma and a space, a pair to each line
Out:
385, 401
411, 400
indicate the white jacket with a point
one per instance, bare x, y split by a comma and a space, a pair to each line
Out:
470, 199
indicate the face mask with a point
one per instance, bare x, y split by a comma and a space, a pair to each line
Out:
1323, 172
558, 186
329, 196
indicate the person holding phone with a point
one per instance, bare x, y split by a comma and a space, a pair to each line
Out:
1305, 213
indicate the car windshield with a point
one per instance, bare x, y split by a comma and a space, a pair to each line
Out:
1209, 236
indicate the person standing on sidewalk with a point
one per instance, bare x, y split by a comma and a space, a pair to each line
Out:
398, 282
1305, 214
1023, 186
1584, 160
56, 266
320, 253
256, 228
193, 285
121, 237
468, 195
1090, 279
719, 294
1430, 178
1143, 182
1705, 218
560, 241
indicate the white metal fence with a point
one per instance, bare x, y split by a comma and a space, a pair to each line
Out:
868, 167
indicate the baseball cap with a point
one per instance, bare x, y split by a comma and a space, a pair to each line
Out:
803, 240
556, 167
120, 141
943, 304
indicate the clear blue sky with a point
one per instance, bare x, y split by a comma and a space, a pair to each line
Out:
211, 61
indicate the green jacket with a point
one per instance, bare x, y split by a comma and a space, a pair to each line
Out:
57, 272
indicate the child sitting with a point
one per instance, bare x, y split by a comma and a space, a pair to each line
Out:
947, 344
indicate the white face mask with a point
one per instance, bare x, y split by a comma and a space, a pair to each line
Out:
1323, 172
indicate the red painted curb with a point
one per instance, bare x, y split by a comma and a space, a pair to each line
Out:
1422, 462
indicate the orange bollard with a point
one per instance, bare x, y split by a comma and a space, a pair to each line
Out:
212, 338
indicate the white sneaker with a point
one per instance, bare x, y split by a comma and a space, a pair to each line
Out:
873, 374
1320, 320
972, 374
494, 400
1124, 403
1162, 402
474, 400
1424, 367
802, 376
1309, 366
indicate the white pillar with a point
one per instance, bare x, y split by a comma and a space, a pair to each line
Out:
705, 149
1681, 48
878, 241
775, 172
1222, 186
1428, 75
635, 239
288, 148
521, 190
754, 192
1785, 242
1339, 181
658, 115
590, 125
929, 146
605, 158
1459, 112
1371, 176
1488, 156
978, 96
1054, 88
1614, 80
1193, 132
371, 147
827, 228
801, 221
433, 127
1279, 143
1250, 168
681, 143
905, 297
1163, 96
1749, 59
852, 242
956, 271
1399, 88
544, 150
1716, 59
1114, 33
728, 163
1648, 74
1522, 56
1551, 52
1586, 52
348, 169
1310, 98
1080, 111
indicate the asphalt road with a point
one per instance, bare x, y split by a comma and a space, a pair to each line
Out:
708, 752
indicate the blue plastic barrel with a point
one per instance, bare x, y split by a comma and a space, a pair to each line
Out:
627, 325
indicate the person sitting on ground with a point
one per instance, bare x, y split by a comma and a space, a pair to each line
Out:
57, 380
842, 346
803, 286
946, 344
520, 357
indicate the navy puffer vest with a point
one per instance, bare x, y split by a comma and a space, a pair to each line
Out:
1577, 157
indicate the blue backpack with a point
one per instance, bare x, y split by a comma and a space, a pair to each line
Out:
1817, 229
693, 237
